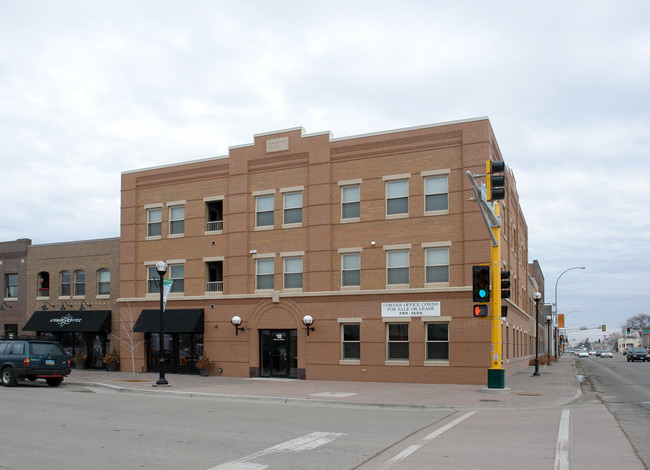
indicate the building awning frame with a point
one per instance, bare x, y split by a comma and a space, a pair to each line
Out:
56, 321
184, 320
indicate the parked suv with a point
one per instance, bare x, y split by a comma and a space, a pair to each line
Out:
640, 354
32, 358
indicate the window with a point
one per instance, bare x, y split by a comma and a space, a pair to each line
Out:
351, 202
350, 341
11, 285
154, 222
175, 272
177, 220
43, 284
437, 264
398, 341
264, 276
293, 273
293, 208
80, 282
436, 197
397, 197
214, 216
64, 277
264, 211
437, 341
397, 267
351, 269
103, 282
214, 276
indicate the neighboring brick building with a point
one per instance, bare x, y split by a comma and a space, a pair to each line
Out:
372, 236
72, 292
13, 281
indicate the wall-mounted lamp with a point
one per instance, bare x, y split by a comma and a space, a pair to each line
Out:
253, 252
373, 243
236, 321
5, 304
82, 305
63, 304
308, 321
44, 306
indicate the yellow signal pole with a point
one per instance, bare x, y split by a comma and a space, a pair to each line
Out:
496, 373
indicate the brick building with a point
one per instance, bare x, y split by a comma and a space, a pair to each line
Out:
71, 294
373, 237
13, 281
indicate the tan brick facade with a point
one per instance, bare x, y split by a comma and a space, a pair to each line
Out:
303, 176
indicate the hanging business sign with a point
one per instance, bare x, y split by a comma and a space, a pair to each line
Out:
410, 309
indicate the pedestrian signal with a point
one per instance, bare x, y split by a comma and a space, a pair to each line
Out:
480, 310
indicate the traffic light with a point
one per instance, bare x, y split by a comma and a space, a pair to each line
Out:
505, 284
480, 310
628, 331
495, 184
481, 283
604, 328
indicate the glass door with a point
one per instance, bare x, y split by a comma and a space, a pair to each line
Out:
278, 353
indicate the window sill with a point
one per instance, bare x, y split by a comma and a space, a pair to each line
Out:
350, 362
434, 213
103, 296
349, 288
213, 232
396, 216
41, 298
64, 297
398, 286
351, 220
436, 363
296, 225
397, 362
213, 293
156, 237
263, 227
176, 235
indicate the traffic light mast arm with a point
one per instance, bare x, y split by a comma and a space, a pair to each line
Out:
489, 217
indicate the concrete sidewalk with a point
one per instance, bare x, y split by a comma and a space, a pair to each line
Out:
557, 385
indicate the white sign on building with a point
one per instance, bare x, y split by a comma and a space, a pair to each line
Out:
410, 309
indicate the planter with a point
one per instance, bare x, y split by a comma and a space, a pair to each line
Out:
204, 372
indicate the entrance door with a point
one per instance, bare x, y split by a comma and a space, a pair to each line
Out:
278, 353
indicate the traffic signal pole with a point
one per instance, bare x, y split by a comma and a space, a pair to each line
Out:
496, 372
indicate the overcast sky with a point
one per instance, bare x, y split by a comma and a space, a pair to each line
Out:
89, 89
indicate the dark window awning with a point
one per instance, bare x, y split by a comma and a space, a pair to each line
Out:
70, 320
186, 320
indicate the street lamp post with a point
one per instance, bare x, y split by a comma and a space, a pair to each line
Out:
549, 319
555, 292
161, 267
537, 297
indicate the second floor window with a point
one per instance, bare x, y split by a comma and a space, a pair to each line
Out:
214, 216
351, 269
176, 272
293, 273
176, 220
103, 282
437, 264
43, 284
11, 286
154, 222
215, 276
397, 267
64, 277
436, 194
80, 282
293, 208
264, 275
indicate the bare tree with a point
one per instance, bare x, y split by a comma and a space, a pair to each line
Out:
129, 336
638, 322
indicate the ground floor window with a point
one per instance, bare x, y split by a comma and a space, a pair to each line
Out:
437, 341
181, 352
84, 349
351, 341
398, 341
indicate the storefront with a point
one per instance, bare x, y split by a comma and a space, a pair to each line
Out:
183, 339
83, 334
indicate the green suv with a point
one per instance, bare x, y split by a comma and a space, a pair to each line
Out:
32, 358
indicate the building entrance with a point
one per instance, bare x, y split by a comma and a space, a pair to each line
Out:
278, 353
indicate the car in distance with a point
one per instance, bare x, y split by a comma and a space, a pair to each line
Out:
583, 353
606, 353
637, 354
31, 359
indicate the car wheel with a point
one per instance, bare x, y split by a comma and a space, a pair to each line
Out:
8, 377
54, 381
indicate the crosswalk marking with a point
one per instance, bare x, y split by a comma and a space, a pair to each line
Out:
299, 444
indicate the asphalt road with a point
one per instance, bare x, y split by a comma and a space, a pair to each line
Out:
624, 388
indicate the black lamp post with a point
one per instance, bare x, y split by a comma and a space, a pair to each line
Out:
548, 322
161, 267
537, 297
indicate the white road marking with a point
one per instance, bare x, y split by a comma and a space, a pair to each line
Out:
562, 445
412, 448
299, 444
